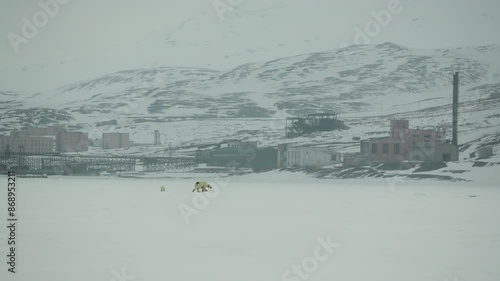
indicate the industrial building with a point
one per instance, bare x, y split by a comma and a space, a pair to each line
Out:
241, 144
225, 156
72, 142
77, 141
232, 152
115, 140
266, 159
320, 122
415, 145
485, 152
46, 140
39, 132
304, 156
239, 154
354, 160
405, 144
49, 131
26, 144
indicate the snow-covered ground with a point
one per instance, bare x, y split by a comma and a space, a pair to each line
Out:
255, 227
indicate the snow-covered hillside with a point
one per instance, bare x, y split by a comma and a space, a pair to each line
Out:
365, 84
127, 35
341, 80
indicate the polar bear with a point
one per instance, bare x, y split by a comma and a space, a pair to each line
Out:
201, 185
162, 188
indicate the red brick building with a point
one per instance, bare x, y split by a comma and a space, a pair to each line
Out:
405, 144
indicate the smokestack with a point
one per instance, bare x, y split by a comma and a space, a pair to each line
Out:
454, 139
157, 140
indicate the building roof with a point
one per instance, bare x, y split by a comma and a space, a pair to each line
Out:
321, 114
376, 139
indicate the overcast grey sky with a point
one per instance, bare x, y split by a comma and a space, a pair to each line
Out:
103, 36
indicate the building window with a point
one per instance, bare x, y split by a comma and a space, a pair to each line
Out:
396, 148
374, 148
385, 148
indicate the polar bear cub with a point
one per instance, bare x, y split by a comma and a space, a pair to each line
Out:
201, 185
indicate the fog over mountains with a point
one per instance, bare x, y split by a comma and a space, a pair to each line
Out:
88, 39
385, 80
183, 66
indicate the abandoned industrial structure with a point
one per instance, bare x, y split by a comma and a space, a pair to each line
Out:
44, 140
57, 139
405, 144
320, 122
414, 145
116, 140
239, 154
70, 164
35, 146
72, 142
20, 144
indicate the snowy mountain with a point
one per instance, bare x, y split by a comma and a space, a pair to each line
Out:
191, 33
250, 101
347, 74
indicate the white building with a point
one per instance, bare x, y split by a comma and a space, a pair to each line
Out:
303, 156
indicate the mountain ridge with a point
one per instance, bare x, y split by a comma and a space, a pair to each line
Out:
367, 80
